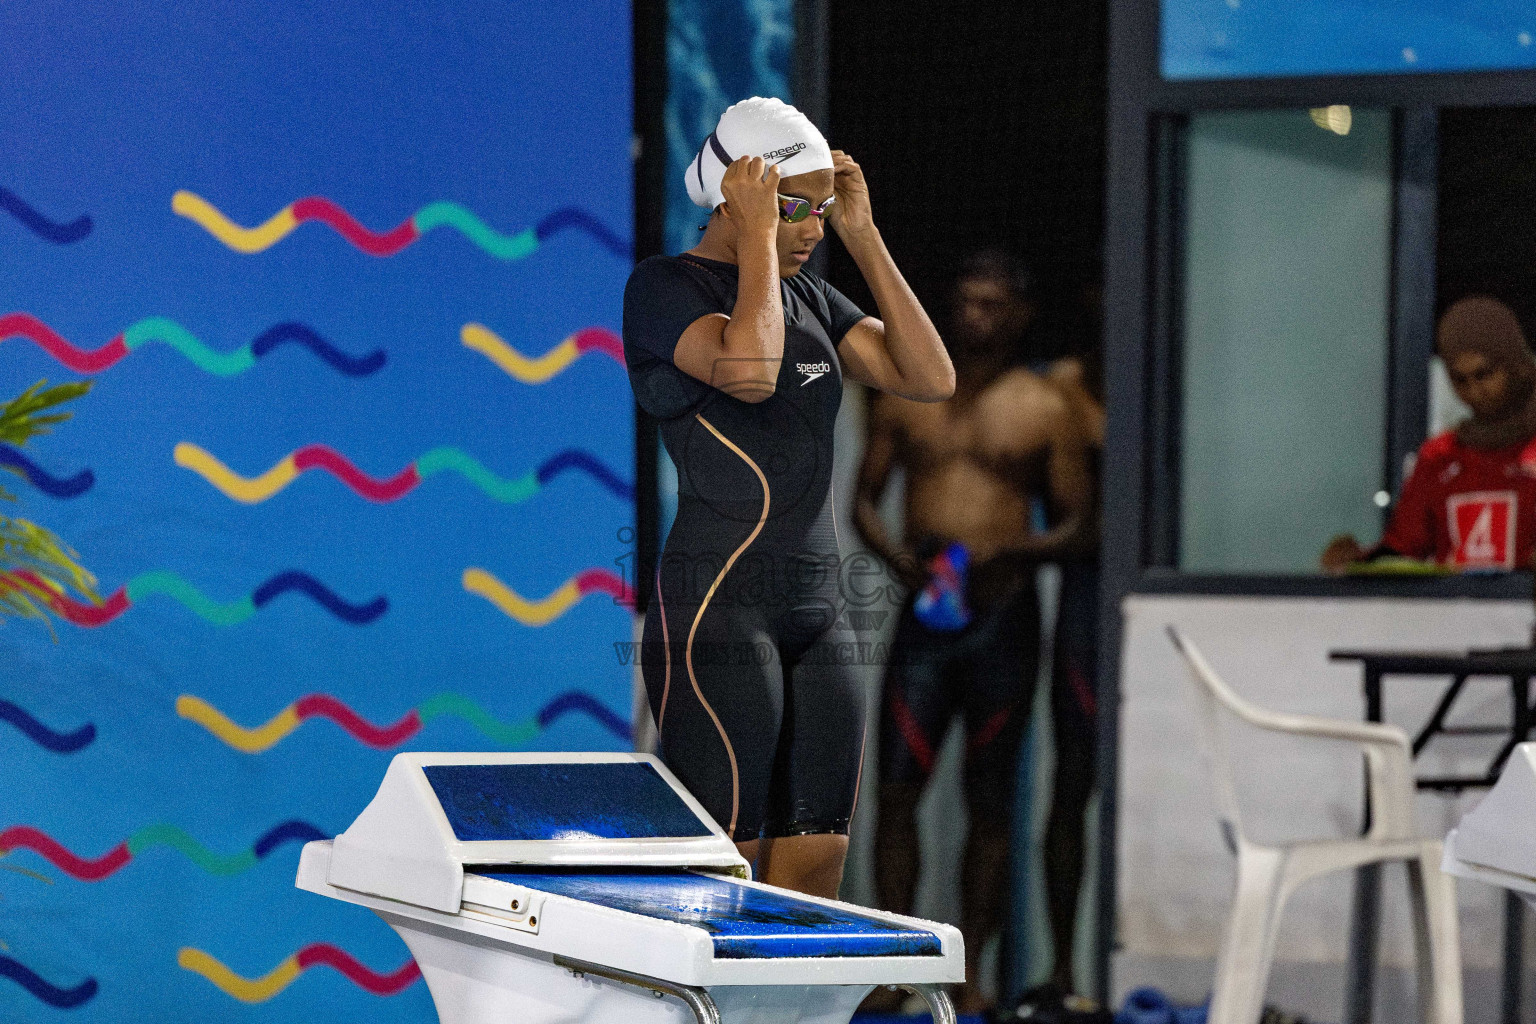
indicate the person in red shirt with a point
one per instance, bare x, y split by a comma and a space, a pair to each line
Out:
1470, 503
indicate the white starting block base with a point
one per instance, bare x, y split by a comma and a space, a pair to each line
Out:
484, 984
1496, 842
592, 889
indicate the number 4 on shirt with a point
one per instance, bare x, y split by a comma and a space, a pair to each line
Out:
1482, 529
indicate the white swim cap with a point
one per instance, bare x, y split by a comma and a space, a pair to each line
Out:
769, 128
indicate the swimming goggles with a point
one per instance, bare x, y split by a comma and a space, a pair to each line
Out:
793, 209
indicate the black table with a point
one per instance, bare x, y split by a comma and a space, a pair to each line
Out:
1518, 665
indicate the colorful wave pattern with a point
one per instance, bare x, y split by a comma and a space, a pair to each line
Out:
169, 332
45, 991
543, 611
171, 585
317, 954
15, 459
94, 869
48, 739
252, 490
387, 243
42, 227
538, 369
381, 737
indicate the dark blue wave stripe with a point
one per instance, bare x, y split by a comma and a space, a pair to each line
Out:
287, 832
574, 458
357, 614
572, 217
54, 486
63, 998
584, 702
301, 334
41, 226
37, 732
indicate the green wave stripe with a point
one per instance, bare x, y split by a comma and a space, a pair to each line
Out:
506, 247
169, 835
459, 461
169, 332
162, 581
513, 735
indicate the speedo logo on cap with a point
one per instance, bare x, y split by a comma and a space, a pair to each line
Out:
785, 153
812, 371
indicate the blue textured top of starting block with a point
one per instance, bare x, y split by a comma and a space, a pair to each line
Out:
561, 800
744, 923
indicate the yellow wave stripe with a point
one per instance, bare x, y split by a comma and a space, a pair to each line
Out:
530, 371
247, 990
241, 239
249, 490
249, 741
529, 613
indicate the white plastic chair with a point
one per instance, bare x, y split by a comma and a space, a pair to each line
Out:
1268, 875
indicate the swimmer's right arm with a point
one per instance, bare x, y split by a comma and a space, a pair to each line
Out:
740, 354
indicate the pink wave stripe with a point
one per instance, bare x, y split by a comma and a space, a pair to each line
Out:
374, 243
591, 580
361, 976
600, 339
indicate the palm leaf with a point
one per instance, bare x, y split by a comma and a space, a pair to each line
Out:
26, 416
36, 566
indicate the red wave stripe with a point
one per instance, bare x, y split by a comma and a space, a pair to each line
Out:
600, 339
319, 456
18, 836
323, 705
362, 977
27, 326
372, 242
601, 579
78, 612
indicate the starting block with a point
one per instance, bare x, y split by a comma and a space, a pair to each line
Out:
1496, 842
591, 888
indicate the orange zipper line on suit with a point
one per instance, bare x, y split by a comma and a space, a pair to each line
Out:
666, 646
859, 781
836, 538
688, 649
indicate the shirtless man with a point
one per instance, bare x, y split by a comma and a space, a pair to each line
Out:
1074, 712
968, 639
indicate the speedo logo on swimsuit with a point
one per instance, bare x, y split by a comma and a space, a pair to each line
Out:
812, 371
785, 153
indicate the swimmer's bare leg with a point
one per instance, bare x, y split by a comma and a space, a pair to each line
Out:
809, 864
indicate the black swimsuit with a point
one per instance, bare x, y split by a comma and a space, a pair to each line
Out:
746, 659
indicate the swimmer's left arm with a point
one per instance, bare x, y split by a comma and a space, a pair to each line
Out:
901, 352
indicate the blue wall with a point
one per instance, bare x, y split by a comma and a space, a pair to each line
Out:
239, 608
1265, 38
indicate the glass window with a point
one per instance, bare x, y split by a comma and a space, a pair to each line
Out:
1285, 276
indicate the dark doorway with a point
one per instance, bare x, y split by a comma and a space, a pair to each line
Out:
1487, 223
978, 125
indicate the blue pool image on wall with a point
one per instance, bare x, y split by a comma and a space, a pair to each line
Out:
1212, 39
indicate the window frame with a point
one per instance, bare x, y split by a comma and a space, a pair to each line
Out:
1138, 485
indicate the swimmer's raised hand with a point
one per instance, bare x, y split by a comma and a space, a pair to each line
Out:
851, 212
751, 191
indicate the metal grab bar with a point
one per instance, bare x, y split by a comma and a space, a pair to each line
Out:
704, 1009
938, 1002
